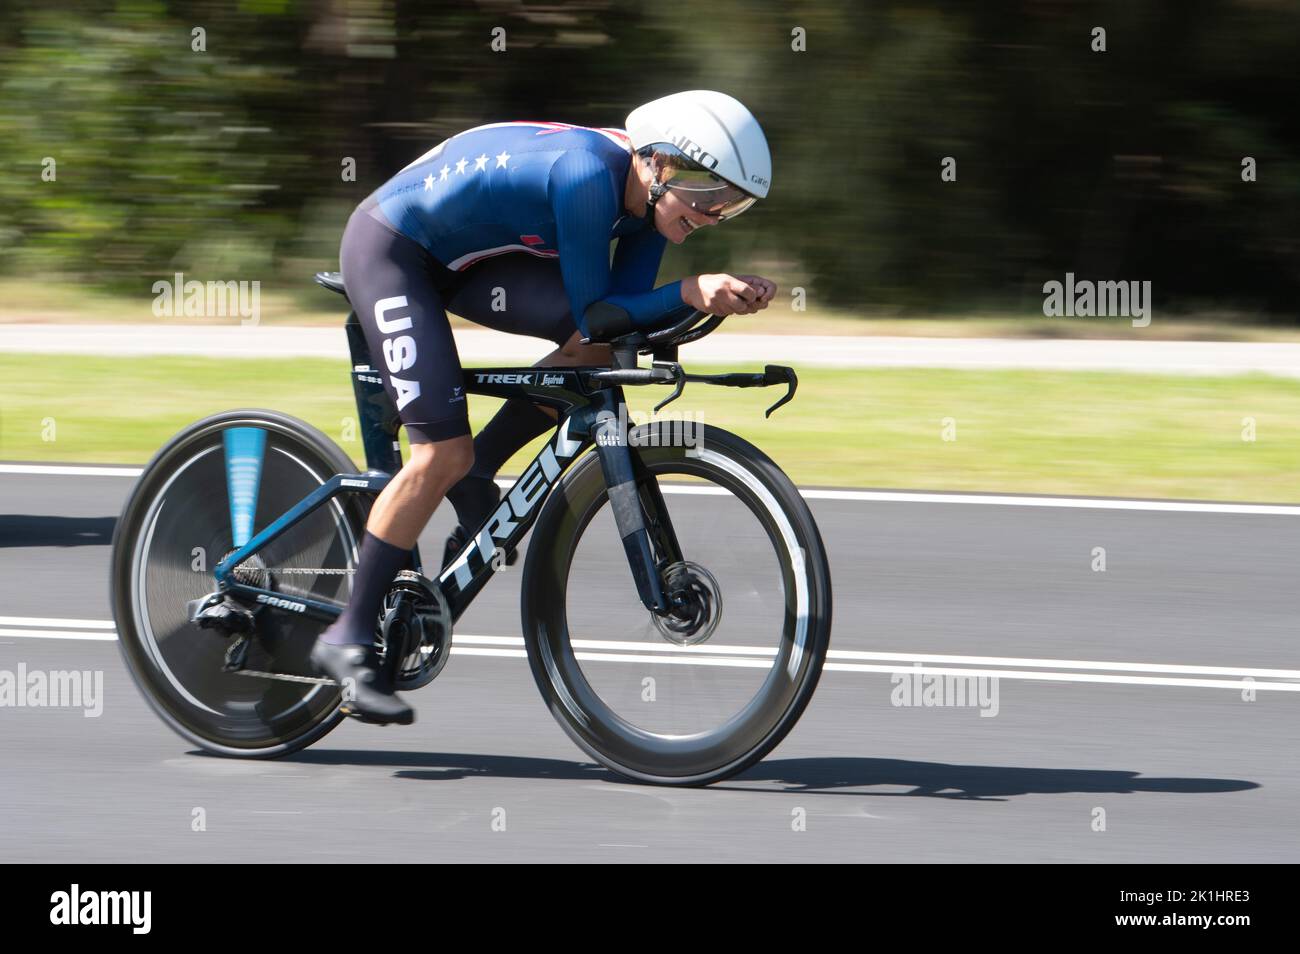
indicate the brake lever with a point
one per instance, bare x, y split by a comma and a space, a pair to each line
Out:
679, 381
775, 374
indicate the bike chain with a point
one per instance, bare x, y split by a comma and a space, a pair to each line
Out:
282, 677
318, 571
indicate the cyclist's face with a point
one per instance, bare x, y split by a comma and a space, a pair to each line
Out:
675, 219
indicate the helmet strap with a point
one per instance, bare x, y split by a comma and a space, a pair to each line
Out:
657, 192
657, 189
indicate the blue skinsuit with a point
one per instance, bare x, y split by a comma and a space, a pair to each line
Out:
545, 189
508, 225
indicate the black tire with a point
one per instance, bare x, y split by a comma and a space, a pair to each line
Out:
176, 665
599, 731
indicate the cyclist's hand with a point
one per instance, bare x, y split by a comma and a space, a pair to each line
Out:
766, 288
722, 295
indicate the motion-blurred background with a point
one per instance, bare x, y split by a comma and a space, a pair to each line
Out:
1125, 163
229, 140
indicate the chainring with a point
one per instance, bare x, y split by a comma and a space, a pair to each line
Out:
432, 617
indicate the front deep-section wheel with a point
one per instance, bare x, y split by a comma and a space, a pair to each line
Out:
700, 694
204, 494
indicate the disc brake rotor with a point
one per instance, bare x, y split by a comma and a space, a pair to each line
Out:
696, 603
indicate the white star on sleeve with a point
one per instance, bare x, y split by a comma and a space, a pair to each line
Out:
460, 166
445, 170
502, 159
480, 163
428, 183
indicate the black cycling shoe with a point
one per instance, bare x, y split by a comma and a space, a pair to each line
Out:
366, 695
458, 538
473, 497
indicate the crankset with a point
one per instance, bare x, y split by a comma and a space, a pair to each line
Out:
414, 635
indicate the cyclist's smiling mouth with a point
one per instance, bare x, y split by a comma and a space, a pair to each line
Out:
683, 224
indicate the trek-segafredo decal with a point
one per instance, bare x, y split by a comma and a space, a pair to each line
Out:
513, 377
516, 377
517, 505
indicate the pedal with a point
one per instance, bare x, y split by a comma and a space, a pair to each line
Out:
370, 720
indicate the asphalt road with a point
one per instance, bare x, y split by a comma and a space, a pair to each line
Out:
1181, 771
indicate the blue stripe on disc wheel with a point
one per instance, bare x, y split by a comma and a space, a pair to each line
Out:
245, 448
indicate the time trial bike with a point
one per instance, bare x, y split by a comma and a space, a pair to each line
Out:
675, 644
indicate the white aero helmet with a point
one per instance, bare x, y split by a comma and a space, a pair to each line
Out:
719, 153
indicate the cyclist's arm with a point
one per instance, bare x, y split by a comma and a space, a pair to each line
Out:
636, 261
585, 204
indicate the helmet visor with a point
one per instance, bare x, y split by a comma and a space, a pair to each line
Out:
722, 201
698, 187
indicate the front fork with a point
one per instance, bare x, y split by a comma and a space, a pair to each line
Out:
639, 511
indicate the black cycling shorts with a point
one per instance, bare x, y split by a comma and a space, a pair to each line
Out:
402, 294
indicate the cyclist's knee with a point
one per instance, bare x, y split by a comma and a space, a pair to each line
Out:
439, 464
579, 353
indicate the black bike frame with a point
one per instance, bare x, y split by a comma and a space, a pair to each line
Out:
590, 412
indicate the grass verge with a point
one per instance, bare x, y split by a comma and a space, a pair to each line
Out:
1025, 432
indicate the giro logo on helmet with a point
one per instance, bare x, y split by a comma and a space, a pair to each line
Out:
693, 151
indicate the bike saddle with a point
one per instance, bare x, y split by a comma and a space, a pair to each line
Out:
331, 280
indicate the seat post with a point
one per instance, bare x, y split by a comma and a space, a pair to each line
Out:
624, 356
376, 413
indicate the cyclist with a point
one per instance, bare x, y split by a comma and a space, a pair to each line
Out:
509, 225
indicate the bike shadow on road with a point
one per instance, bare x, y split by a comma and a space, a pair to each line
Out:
27, 530
909, 779
829, 776
449, 766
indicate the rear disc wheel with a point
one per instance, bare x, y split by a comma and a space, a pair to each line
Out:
201, 497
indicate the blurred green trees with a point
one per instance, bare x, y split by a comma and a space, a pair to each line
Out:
1123, 164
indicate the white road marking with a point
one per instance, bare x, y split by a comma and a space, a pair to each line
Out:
1247, 683
71, 470
1006, 500
870, 496
55, 621
1077, 503
59, 634
838, 660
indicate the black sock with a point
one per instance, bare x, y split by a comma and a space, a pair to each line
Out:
377, 564
514, 425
